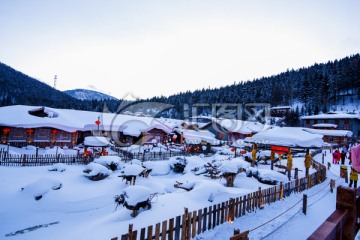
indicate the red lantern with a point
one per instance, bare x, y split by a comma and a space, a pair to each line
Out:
188, 149
97, 122
6, 130
220, 135
243, 151
87, 153
54, 131
233, 149
73, 133
30, 131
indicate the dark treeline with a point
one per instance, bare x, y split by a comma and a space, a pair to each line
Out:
317, 87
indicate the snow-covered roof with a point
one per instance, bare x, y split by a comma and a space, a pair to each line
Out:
287, 137
325, 125
76, 120
335, 133
97, 141
333, 115
243, 127
195, 137
280, 107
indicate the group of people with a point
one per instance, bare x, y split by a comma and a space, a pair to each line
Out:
337, 156
341, 156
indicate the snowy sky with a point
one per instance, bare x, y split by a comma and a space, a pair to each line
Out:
153, 48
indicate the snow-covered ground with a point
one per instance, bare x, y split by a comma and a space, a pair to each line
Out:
74, 207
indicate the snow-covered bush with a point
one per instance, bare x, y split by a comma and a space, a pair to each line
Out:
60, 167
111, 162
41, 186
96, 172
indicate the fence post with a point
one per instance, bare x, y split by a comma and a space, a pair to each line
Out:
130, 231
231, 210
323, 158
281, 196
24, 160
296, 173
304, 203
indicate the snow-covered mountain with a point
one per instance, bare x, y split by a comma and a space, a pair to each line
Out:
85, 94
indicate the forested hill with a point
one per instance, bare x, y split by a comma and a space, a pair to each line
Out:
317, 87
20, 89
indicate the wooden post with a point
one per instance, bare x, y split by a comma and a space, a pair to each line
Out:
304, 203
231, 210
281, 195
332, 185
36, 154
130, 232
296, 173
24, 160
323, 158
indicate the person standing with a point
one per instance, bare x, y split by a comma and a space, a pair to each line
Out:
343, 156
353, 177
335, 156
349, 157
338, 157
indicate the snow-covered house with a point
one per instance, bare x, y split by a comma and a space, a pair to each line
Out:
238, 129
43, 126
349, 121
280, 111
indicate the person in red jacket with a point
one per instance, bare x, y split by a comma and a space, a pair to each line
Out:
335, 156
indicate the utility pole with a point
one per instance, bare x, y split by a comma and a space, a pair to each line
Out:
55, 78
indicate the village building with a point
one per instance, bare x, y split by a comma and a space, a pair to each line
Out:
42, 126
348, 122
280, 111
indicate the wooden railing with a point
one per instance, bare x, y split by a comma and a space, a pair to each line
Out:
190, 224
343, 222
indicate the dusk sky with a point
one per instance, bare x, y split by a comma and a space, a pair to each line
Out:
153, 48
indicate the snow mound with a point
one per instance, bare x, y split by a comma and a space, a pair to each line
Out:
136, 194
111, 162
229, 167
158, 167
132, 170
41, 186
60, 167
93, 169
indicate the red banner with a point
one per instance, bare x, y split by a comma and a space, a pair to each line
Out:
279, 150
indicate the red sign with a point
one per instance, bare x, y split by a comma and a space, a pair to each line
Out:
279, 150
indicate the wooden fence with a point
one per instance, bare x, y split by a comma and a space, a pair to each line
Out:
343, 222
148, 156
38, 159
190, 224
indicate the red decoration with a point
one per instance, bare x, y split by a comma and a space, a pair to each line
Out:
97, 122
279, 150
30, 131
73, 133
188, 149
87, 153
54, 131
220, 135
233, 149
104, 153
6, 130
243, 151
